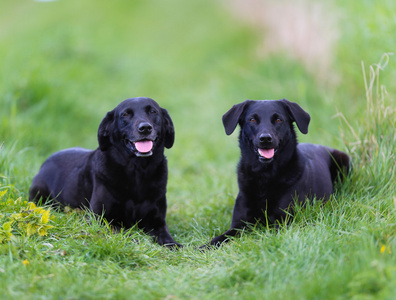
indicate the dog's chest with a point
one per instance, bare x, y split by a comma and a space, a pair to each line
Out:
131, 209
266, 192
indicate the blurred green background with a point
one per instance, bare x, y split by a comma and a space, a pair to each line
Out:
65, 63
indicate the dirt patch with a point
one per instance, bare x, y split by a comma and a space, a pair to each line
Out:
304, 30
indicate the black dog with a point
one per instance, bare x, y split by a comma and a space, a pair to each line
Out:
125, 178
274, 170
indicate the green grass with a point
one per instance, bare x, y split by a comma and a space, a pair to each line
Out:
64, 64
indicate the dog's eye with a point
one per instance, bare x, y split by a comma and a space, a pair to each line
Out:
278, 120
252, 120
124, 114
153, 111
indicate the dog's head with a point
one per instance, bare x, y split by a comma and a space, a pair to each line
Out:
137, 126
266, 125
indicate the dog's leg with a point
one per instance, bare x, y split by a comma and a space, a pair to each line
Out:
162, 237
240, 220
154, 224
225, 237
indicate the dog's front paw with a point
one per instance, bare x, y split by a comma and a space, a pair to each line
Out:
215, 243
207, 247
173, 246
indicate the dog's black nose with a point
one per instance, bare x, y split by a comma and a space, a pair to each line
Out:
265, 137
145, 128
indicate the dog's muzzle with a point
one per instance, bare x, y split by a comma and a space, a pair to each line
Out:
141, 148
266, 149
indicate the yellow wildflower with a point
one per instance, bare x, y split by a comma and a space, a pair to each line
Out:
30, 229
28, 221
26, 262
45, 216
385, 248
16, 217
2, 193
31, 206
43, 230
6, 232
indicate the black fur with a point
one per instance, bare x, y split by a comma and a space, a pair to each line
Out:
126, 185
271, 179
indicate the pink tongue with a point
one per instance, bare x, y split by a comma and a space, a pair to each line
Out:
267, 153
144, 146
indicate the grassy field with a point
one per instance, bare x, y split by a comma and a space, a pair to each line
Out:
64, 64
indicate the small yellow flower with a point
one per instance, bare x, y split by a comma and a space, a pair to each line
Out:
29, 221
43, 231
7, 226
26, 262
385, 248
2, 193
16, 217
22, 226
31, 229
31, 206
6, 232
45, 216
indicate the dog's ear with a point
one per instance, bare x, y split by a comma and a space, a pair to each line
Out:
104, 130
168, 129
300, 116
232, 117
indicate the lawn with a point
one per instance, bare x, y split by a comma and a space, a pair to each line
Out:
64, 64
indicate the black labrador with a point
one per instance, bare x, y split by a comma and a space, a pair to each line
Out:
125, 177
274, 170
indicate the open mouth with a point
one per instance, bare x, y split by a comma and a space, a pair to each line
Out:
142, 148
266, 154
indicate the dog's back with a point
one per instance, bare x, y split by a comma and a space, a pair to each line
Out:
321, 166
59, 178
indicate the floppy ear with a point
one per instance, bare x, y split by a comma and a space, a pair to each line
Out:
300, 116
169, 129
231, 117
104, 130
